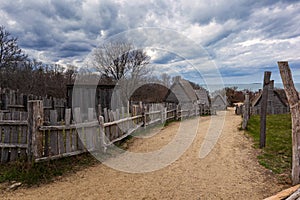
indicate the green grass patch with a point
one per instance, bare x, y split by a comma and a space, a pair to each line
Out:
44, 172
277, 155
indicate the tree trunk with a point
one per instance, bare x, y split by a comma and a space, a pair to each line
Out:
294, 103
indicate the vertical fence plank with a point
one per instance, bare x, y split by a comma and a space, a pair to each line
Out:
117, 117
106, 119
53, 117
53, 143
67, 131
122, 112
102, 134
80, 132
74, 140
6, 139
46, 143
14, 136
23, 137
53, 134
61, 142
91, 131
111, 128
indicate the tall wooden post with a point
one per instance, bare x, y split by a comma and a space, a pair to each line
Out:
34, 136
246, 112
263, 109
294, 103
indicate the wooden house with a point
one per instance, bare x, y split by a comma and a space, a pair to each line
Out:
182, 93
90, 91
219, 102
202, 95
277, 101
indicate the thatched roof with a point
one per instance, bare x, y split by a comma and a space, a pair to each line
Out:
280, 93
150, 93
219, 98
181, 91
202, 95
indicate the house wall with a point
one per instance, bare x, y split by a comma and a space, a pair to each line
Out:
275, 106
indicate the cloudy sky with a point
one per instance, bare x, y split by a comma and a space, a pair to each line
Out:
235, 39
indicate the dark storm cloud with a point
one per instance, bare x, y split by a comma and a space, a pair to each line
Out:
237, 34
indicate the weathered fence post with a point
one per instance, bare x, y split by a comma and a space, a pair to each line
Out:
34, 136
294, 103
246, 112
102, 134
263, 109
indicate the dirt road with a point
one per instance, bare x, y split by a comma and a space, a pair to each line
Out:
230, 171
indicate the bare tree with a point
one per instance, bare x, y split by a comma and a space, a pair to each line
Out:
120, 60
10, 53
124, 63
10, 56
166, 79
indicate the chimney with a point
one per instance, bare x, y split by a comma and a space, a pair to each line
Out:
177, 79
271, 85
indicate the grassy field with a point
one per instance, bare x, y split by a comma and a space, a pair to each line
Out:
277, 155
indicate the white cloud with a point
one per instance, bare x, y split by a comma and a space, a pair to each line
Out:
239, 35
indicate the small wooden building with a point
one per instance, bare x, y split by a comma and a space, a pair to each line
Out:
219, 102
90, 92
182, 93
202, 95
277, 101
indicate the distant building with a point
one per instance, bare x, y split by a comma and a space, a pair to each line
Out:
277, 101
90, 91
182, 93
219, 102
202, 95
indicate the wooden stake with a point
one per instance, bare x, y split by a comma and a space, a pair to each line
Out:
294, 102
35, 137
263, 109
246, 112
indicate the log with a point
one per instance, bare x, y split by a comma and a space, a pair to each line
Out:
283, 194
294, 196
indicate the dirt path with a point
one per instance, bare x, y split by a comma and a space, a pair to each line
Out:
230, 171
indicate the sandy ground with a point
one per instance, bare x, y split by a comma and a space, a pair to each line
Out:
230, 171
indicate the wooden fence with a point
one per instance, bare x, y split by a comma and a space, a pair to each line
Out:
26, 135
13, 136
12, 101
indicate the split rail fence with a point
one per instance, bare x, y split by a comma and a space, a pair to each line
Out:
27, 135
